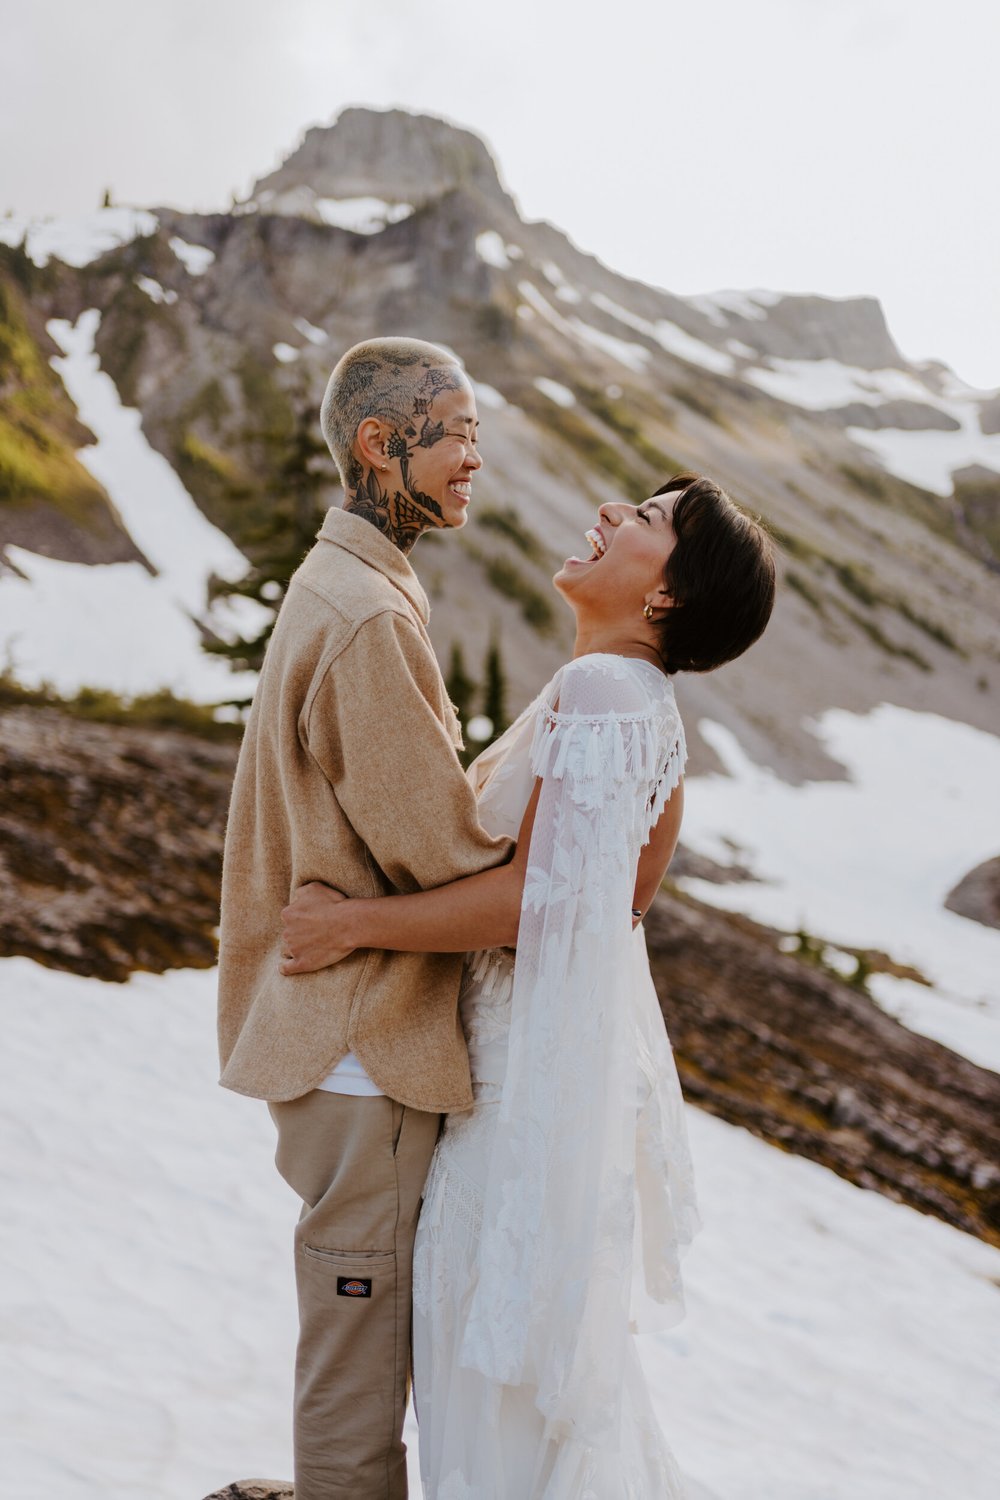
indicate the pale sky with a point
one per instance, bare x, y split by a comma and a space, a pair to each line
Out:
834, 146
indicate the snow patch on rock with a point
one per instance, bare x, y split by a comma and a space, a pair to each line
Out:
669, 337
488, 396
361, 215
560, 394
824, 384
310, 331
154, 291
923, 457
77, 240
491, 249
752, 305
565, 292
195, 259
929, 459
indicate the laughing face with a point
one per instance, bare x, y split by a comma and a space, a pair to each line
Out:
441, 456
629, 548
414, 473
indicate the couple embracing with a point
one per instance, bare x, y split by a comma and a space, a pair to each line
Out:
455, 1026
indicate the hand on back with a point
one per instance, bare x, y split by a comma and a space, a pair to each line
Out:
312, 929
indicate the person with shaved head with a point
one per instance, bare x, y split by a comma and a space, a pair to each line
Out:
349, 776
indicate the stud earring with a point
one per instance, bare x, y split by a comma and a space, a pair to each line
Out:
648, 612
384, 467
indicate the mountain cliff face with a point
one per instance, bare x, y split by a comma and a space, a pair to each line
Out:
48, 502
221, 330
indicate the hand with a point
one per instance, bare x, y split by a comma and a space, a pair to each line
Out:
312, 929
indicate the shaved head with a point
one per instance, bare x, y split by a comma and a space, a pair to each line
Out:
393, 379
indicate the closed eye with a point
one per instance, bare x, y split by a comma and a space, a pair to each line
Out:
644, 516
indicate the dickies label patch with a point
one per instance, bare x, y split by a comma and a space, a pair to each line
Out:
353, 1286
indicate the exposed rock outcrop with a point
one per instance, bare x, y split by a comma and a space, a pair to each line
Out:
977, 499
255, 1489
389, 154
812, 1064
908, 416
110, 844
989, 415
49, 503
977, 895
851, 330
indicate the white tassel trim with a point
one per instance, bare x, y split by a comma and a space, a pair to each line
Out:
667, 784
493, 970
614, 747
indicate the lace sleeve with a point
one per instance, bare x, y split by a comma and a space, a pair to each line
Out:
551, 1308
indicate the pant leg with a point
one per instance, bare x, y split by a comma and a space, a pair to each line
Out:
358, 1164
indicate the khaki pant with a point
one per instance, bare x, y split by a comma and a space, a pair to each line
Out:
358, 1164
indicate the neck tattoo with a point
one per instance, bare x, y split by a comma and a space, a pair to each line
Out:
400, 515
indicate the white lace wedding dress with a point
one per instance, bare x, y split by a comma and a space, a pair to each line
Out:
555, 1210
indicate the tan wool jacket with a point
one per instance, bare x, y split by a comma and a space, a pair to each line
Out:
348, 774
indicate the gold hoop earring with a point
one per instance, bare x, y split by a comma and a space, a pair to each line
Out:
648, 612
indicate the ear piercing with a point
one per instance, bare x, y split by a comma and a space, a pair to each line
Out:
648, 612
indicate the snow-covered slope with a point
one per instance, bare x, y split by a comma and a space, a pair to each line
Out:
837, 1346
869, 861
76, 240
928, 449
118, 626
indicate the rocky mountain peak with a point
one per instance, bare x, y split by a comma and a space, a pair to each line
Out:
851, 330
389, 154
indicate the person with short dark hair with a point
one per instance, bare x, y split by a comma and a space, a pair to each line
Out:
572, 1166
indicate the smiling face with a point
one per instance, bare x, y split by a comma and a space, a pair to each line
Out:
400, 417
435, 456
630, 546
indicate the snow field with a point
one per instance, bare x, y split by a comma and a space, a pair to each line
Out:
837, 1346
868, 862
926, 458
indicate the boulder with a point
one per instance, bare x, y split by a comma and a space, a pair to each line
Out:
255, 1489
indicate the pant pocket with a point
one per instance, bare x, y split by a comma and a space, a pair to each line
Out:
399, 1114
348, 1260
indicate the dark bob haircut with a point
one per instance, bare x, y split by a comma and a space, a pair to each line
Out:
720, 578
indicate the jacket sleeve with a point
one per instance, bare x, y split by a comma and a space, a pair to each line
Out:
374, 727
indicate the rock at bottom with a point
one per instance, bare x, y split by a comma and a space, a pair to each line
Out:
255, 1489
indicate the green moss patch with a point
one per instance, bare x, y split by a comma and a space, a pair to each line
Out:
160, 710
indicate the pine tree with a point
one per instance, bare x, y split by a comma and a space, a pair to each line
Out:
460, 685
106, 200
495, 688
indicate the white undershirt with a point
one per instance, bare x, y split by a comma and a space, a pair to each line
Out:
349, 1077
